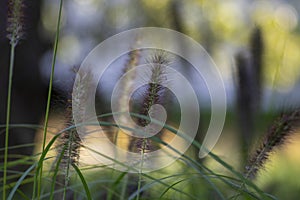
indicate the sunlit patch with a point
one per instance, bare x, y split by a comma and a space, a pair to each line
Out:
282, 60
261, 11
282, 54
228, 20
156, 4
50, 15
86, 2
122, 139
87, 8
56, 123
119, 17
286, 17
283, 16
69, 49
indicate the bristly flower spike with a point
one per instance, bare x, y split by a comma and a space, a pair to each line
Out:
15, 26
154, 95
277, 135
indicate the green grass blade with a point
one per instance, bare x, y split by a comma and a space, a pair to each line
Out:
10, 196
11, 69
56, 172
86, 187
49, 93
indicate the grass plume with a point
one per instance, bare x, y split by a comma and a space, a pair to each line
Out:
277, 135
15, 33
68, 148
69, 143
80, 94
154, 95
15, 25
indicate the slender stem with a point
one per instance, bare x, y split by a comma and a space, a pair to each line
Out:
11, 68
124, 187
55, 173
141, 171
69, 162
50, 91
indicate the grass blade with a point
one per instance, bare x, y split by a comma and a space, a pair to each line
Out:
86, 187
10, 196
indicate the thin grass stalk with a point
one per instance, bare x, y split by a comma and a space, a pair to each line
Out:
123, 191
154, 95
69, 161
11, 67
55, 174
49, 95
15, 33
70, 156
140, 173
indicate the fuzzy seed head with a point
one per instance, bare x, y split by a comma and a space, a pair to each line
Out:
154, 95
15, 26
277, 135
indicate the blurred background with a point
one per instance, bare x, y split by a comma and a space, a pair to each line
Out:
224, 28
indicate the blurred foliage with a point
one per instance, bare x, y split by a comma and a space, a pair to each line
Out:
223, 27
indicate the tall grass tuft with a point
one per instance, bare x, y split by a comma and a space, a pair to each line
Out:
154, 94
15, 31
68, 150
277, 135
